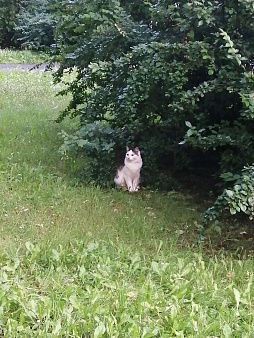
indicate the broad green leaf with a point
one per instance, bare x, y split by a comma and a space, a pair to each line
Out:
227, 331
99, 331
188, 124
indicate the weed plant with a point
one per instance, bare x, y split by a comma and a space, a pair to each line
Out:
80, 261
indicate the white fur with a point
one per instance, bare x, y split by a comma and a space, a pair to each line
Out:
129, 175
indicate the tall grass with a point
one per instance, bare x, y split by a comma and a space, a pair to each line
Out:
21, 56
79, 261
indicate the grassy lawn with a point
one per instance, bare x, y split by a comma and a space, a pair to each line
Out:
79, 261
21, 56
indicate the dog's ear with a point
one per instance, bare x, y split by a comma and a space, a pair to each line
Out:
127, 148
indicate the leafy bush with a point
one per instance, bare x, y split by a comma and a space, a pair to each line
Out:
237, 198
144, 68
97, 141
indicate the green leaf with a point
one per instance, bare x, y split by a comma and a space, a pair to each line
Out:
227, 331
57, 327
243, 207
230, 193
81, 143
191, 34
55, 255
100, 330
155, 267
237, 298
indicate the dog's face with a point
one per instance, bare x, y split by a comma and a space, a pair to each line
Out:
132, 155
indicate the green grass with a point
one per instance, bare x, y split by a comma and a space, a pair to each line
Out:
80, 261
21, 56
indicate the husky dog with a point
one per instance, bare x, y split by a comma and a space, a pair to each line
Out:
128, 175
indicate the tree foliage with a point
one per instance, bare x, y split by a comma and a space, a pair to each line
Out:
26, 23
35, 24
8, 11
156, 74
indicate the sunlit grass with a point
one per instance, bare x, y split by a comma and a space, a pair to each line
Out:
35, 178
80, 261
101, 289
21, 56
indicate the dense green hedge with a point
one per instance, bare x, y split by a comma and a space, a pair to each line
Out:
173, 77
